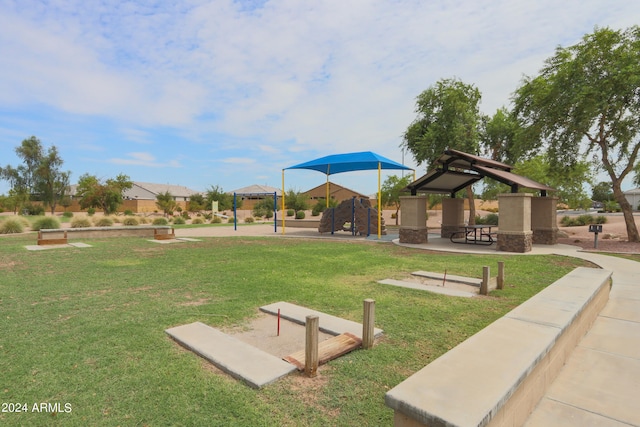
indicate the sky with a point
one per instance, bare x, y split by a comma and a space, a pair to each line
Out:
229, 93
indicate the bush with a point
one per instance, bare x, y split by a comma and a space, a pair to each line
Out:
105, 221
11, 226
490, 219
291, 212
143, 220
31, 209
600, 219
46, 222
81, 222
128, 212
586, 219
160, 221
249, 220
216, 220
91, 211
130, 220
67, 214
300, 215
231, 220
179, 220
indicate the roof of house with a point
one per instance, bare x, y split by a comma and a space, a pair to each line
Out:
256, 189
148, 190
333, 188
632, 191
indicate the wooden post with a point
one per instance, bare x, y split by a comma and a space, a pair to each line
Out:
368, 322
311, 346
500, 281
486, 275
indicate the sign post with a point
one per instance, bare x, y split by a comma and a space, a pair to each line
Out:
595, 228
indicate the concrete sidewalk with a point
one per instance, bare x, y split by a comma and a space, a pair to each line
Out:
600, 383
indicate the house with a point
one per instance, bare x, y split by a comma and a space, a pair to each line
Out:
336, 192
633, 196
252, 194
141, 197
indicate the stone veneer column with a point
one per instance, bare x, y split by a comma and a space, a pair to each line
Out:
452, 216
514, 230
544, 222
413, 219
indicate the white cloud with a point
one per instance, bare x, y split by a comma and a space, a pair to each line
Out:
144, 159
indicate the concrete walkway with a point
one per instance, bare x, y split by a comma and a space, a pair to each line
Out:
600, 383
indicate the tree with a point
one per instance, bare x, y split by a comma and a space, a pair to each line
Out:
586, 101
568, 181
264, 207
392, 189
39, 177
499, 137
197, 203
166, 202
52, 183
602, 192
94, 193
296, 200
448, 117
225, 200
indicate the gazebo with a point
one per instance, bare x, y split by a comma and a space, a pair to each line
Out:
524, 218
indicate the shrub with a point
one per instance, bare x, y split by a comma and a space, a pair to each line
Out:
46, 222
130, 220
300, 215
600, 219
179, 220
197, 221
128, 212
249, 220
490, 219
31, 209
143, 220
91, 211
231, 220
81, 222
291, 212
67, 214
160, 221
11, 226
105, 221
116, 220
216, 220
185, 215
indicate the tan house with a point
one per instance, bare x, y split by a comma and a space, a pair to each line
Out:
141, 197
336, 192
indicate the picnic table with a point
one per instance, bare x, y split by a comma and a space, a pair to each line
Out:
474, 234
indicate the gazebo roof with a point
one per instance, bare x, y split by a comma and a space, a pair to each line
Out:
457, 169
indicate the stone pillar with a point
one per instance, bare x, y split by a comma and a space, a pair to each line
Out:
452, 216
544, 222
514, 230
413, 219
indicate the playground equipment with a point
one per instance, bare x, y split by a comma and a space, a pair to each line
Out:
361, 218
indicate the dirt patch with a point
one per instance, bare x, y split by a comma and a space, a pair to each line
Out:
262, 332
612, 239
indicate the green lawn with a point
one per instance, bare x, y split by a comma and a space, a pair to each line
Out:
86, 326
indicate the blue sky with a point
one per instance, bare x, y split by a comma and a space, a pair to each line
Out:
229, 93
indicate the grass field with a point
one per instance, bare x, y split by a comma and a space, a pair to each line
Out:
85, 327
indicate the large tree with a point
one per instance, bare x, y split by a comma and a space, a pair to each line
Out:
448, 117
39, 177
586, 101
166, 202
107, 195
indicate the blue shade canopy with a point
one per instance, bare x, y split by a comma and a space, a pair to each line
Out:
349, 162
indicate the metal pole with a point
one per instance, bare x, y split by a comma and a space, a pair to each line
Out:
235, 215
275, 212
